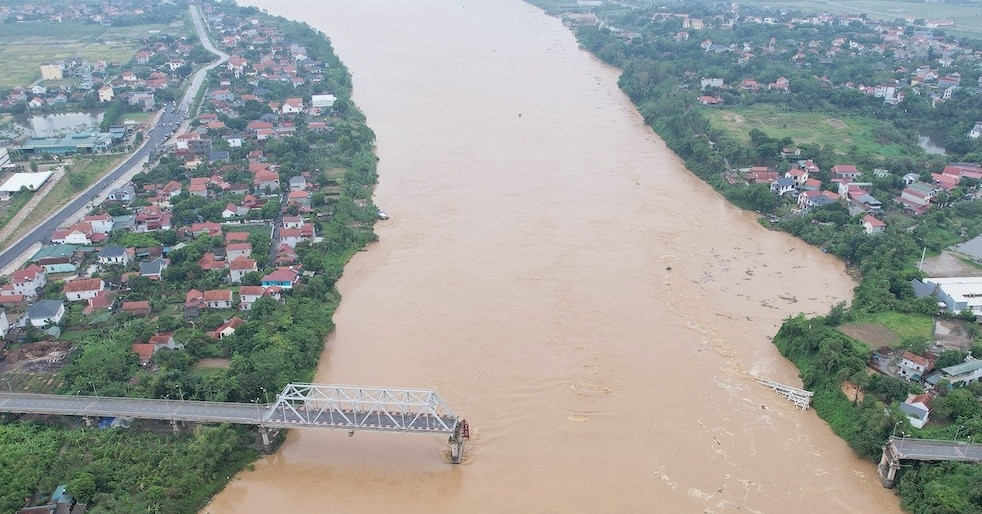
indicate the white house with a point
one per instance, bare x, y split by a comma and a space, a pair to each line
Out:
114, 255
292, 106
240, 266
27, 281
83, 289
873, 225
101, 223
976, 131
917, 407
218, 299
235, 250
912, 366
4, 324
46, 311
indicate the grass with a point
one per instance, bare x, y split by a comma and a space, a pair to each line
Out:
24, 46
138, 117
13, 206
841, 131
62, 192
31, 381
971, 262
968, 17
919, 326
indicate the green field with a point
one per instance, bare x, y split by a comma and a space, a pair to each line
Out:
24, 46
905, 325
968, 18
840, 131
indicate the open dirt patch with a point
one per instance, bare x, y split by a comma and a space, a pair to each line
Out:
733, 117
947, 264
39, 356
873, 334
835, 123
852, 392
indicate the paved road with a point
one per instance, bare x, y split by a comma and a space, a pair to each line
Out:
923, 449
315, 415
168, 122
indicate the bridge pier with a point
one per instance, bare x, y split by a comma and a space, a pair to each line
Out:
173, 424
87, 420
456, 441
888, 467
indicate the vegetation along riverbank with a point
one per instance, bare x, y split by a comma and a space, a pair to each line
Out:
216, 280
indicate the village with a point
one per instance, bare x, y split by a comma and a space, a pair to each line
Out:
220, 223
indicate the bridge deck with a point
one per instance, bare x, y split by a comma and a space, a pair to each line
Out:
927, 449
222, 412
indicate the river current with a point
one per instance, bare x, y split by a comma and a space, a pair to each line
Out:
596, 312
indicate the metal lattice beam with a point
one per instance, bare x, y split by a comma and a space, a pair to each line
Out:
361, 408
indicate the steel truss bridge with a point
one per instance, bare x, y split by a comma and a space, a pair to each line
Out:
351, 408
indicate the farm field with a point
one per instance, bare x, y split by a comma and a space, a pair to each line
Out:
968, 18
24, 46
842, 132
890, 329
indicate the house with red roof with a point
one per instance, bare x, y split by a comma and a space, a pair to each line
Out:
83, 289
282, 277
226, 329
194, 298
161, 341
80, 233
217, 299
945, 182
152, 218
266, 180
236, 250
292, 106
872, 225
102, 300
846, 171
913, 366
100, 223
209, 261
240, 266
285, 255
299, 198
236, 237
138, 308
28, 281
207, 228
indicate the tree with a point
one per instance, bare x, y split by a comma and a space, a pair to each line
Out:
83, 487
77, 181
950, 358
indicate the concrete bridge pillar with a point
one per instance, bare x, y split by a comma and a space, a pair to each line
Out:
173, 424
88, 420
888, 467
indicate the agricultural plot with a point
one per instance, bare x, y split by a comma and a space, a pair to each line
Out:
842, 132
967, 17
24, 46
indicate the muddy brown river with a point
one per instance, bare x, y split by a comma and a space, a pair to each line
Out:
597, 313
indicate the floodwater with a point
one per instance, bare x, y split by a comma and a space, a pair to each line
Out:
596, 312
64, 123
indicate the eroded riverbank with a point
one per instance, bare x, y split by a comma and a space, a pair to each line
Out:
595, 311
